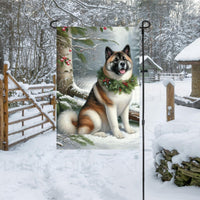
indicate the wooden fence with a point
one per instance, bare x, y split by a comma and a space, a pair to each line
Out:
25, 110
174, 76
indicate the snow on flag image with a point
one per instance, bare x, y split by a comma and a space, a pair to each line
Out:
98, 89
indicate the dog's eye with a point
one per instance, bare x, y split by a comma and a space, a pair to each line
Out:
116, 60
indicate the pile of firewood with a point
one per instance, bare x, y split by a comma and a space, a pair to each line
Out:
184, 174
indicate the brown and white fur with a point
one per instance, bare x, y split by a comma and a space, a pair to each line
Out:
102, 108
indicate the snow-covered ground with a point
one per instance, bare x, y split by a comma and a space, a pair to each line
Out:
36, 170
156, 115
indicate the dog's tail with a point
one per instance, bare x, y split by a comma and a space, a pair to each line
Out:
67, 122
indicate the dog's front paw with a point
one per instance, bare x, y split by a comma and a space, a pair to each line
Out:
118, 134
130, 130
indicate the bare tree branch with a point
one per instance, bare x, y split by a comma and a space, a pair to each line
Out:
66, 11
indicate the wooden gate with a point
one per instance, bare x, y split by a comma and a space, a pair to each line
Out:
25, 110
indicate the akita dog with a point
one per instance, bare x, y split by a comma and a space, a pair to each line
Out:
109, 98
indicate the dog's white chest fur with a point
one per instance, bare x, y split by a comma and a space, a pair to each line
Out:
120, 100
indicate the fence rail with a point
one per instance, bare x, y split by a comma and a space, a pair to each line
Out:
174, 76
33, 107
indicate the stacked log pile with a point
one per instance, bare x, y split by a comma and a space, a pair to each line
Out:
185, 174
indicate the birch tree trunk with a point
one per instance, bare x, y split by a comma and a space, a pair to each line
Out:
65, 78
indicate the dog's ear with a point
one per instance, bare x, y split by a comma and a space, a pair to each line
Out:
126, 50
108, 52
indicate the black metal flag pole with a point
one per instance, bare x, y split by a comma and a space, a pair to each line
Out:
145, 24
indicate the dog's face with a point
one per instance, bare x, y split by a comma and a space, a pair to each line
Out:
118, 64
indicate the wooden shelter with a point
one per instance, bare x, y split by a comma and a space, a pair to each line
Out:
190, 55
152, 68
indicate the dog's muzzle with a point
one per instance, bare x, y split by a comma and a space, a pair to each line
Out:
122, 67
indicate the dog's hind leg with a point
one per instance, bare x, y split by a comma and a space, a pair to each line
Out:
90, 123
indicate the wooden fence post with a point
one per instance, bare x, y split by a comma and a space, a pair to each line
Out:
1, 116
170, 101
5, 107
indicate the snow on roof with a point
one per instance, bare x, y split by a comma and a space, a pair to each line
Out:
190, 53
151, 60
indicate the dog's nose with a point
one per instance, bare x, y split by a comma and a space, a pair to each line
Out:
122, 64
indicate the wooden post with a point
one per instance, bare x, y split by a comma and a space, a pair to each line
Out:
170, 102
5, 107
1, 116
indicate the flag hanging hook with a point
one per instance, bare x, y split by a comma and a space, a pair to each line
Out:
51, 23
145, 24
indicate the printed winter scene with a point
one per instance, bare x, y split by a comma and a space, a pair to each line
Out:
97, 70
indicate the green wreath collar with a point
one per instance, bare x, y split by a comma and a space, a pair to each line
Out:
116, 86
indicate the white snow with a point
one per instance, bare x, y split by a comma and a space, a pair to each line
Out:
151, 60
36, 170
167, 81
186, 120
190, 53
7, 63
182, 135
1, 76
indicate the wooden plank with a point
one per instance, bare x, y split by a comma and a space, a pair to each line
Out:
28, 127
27, 138
44, 103
33, 88
17, 100
13, 89
27, 95
170, 102
5, 108
24, 119
133, 115
1, 116
16, 109
43, 95
41, 87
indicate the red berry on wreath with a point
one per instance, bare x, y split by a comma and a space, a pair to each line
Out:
64, 29
61, 59
104, 28
126, 84
70, 50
